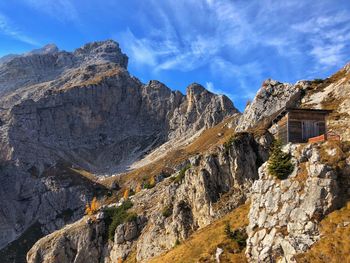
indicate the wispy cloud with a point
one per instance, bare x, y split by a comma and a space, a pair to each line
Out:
210, 86
328, 36
241, 74
63, 10
9, 29
237, 39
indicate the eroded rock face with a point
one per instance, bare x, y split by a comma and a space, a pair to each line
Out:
82, 109
214, 184
284, 215
49, 63
270, 98
80, 242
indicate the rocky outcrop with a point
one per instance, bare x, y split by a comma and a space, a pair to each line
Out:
270, 98
333, 94
81, 242
206, 188
49, 63
284, 215
82, 109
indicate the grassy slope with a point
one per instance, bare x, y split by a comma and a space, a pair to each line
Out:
334, 245
201, 246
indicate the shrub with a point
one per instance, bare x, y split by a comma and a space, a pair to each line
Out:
150, 184
181, 175
167, 211
126, 194
177, 242
237, 137
92, 208
131, 217
279, 163
238, 235
118, 215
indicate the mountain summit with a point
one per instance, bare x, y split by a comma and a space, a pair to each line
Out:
62, 110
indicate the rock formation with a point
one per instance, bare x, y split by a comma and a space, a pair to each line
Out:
284, 215
63, 110
270, 98
193, 202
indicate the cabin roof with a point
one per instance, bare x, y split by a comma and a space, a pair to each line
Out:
285, 110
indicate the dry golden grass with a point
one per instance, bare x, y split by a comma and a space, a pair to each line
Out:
205, 142
334, 246
132, 257
201, 246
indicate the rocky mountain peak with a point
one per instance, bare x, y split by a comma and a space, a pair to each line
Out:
102, 51
47, 49
270, 98
347, 68
195, 89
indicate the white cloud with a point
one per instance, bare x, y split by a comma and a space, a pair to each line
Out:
9, 29
328, 37
63, 10
235, 38
328, 54
210, 86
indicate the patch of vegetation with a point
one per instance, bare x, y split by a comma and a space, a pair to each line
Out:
234, 139
177, 242
93, 207
279, 163
181, 175
150, 184
167, 211
238, 235
118, 215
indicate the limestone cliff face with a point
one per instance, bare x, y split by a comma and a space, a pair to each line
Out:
214, 184
81, 109
270, 98
284, 215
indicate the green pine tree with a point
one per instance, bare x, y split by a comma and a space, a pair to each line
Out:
279, 164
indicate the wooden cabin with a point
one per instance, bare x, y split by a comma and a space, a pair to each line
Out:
299, 125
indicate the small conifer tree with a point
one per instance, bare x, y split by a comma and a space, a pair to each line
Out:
279, 164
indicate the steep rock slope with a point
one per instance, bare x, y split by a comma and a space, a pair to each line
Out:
270, 98
284, 215
65, 110
214, 184
333, 94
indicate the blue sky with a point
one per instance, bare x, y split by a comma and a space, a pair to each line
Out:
228, 46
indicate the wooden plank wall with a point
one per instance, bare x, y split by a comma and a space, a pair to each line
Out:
282, 130
290, 126
295, 131
306, 116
